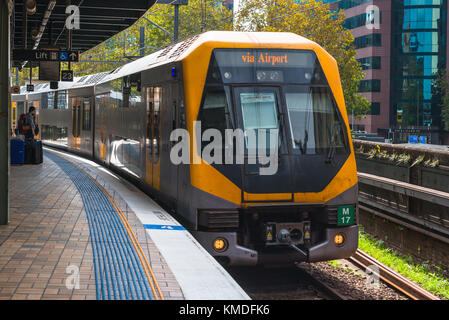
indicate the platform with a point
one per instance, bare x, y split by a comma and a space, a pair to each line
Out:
70, 216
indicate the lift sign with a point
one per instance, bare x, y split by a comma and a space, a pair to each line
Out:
345, 216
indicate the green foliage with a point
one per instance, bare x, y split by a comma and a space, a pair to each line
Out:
404, 158
418, 273
418, 160
196, 17
372, 153
393, 157
314, 20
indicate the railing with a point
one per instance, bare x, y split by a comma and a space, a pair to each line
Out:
418, 208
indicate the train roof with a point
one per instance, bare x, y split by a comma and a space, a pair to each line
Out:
179, 51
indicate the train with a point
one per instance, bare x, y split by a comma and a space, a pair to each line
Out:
304, 210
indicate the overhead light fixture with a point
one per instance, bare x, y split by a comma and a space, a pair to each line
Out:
30, 7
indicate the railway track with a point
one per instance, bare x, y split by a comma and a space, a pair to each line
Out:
286, 283
391, 277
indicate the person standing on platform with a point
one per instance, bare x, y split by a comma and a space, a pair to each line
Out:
30, 120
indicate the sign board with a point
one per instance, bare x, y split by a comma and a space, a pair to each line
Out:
30, 87
15, 90
49, 71
415, 131
67, 75
423, 139
54, 85
345, 215
46, 55
413, 139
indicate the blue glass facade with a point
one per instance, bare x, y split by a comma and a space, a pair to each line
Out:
418, 50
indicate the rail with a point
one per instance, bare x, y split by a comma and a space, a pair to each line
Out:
391, 277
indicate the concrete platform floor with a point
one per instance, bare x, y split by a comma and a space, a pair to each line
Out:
48, 240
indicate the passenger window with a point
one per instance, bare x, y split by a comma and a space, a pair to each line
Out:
154, 104
156, 122
86, 115
116, 97
61, 100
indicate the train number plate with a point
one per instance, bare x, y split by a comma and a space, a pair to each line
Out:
345, 215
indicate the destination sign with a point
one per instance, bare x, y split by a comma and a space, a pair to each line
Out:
265, 58
46, 55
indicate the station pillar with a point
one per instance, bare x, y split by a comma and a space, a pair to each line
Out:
5, 6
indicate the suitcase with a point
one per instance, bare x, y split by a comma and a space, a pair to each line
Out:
17, 151
33, 151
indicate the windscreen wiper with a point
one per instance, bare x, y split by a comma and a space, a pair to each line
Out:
303, 146
332, 148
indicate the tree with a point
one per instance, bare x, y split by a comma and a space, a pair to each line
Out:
441, 86
196, 17
314, 20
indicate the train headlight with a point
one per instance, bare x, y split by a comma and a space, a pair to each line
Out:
339, 239
227, 75
220, 244
261, 75
275, 76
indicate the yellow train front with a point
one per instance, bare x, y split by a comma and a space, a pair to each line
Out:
298, 203
307, 209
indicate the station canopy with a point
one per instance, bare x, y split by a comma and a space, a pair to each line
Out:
99, 20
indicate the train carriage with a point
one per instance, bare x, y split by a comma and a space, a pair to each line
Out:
212, 85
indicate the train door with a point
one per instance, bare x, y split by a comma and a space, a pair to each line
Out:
153, 136
76, 123
259, 110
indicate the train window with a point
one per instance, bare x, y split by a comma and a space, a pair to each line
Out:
150, 102
116, 97
51, 100
154, 104
258, 112
131, 97
45, 100
313, 120
214, 111
62, 100
86, 115
156, 122
74, 124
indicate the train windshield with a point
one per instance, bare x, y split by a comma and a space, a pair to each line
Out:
277, 89
314, 125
